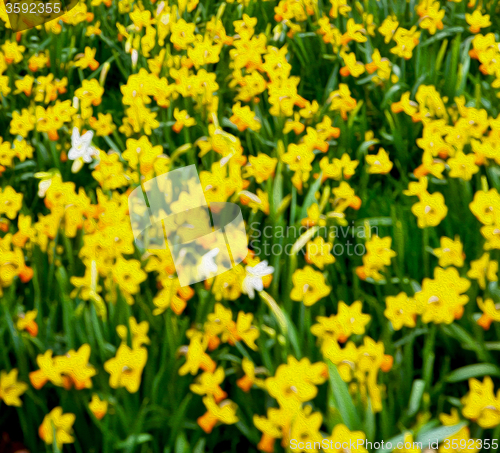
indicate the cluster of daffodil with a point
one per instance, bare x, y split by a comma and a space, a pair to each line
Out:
310, 115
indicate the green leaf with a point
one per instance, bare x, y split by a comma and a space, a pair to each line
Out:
471, 371
440, 433
417, 391
311, 196
343, 400
134, 439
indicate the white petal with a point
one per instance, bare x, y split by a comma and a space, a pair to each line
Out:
73, 154
75, 136
87, 137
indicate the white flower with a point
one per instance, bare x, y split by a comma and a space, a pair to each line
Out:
253, 280
80, 146
207, 266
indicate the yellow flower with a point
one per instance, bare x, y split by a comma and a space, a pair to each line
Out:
261, 167
13, 53
491, 312
128, 275
345, 197
380, 163
342, 435
441, 300
406, 41
483, 269
314, 217
99, 408
381, 65
342, 101
75, 368
208, 383
138, 332
59, 423
225, 413
126, 367
349, 320
182, 120
355, 32
182, 34
352, 67
388, 28
476, 20
27, 322
309, 286
450, 253
87, 60
486, 206
318, 253
463, 166
244, 117
295, 382
48, 371
196, 357
481, 405
245, 330
401, 311
379, 252
306, 426
22, 123
431, 15
339, 7
246, 382
10, 202
430, 210
11, 389
104, 125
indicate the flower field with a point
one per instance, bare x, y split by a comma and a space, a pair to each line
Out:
361, 141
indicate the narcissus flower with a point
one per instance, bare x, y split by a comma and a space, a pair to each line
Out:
126, 367
480, 404
11, 389
60, 424
182, 120
196, 357
450, 253
318, 253
225, 412
208, 383
48, 371
340, 435
75, 368
246, 382
477, 20
484, 269
401, 311
244, 117
491, 312
379, 163
26, 321
261, 167
309, 286
99, 408
441, 300
430, 210
348, 321
342, 101
10, 202
295, 382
